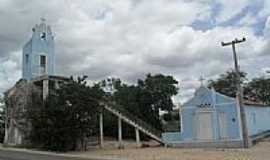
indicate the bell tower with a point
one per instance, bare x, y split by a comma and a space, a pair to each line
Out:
38, 52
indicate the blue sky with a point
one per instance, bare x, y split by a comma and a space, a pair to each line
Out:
251, 9
129, 38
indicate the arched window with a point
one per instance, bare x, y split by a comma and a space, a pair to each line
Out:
43, 63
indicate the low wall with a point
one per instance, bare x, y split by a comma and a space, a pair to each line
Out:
224, 144
258, 137
168, 137
258, 119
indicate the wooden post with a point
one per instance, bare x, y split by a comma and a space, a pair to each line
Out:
56, 84
137, 137
120, 133
101, 141
6, 126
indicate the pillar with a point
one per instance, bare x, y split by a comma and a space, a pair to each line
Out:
45, 89
56, 84
120, 133
6, 127
137, 137
101, 140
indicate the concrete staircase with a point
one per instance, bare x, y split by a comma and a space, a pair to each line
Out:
133, 121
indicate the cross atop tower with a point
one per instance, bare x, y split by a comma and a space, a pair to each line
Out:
38, 52
201, 79
42, 19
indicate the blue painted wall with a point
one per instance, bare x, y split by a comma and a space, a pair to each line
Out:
258, 119
40, 44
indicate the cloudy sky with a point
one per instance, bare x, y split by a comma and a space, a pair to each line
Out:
129, 38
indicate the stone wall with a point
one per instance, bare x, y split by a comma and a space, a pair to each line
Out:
18, 99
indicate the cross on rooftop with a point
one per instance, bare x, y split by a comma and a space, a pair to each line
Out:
201, 79
42, 19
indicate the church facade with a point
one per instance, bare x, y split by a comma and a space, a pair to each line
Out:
211, 119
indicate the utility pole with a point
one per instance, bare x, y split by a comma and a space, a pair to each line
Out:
239, 91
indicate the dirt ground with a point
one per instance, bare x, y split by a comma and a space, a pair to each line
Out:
260, 151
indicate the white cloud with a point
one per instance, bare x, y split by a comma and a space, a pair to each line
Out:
265, 10
10, 71
266, 30
129, 38
248, 20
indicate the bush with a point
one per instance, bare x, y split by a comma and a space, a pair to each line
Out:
66, 118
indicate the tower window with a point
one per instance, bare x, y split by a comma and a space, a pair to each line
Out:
26, 58
43, 35
43, 61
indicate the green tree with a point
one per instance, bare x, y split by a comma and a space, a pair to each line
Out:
2, 119
128, 97
155, 95
146, 98
258, 89
226, 83
68, 116
160, 88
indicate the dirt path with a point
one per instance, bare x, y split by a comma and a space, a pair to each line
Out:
260, 151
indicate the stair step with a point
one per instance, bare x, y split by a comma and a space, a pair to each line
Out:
133, 123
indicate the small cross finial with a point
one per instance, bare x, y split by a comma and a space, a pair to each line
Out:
42, 19
201, 80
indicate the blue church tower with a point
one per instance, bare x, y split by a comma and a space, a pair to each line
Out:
38, 52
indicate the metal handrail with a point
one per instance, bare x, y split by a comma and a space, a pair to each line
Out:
121, 110
134, 118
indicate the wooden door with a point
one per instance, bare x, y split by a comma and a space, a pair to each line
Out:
222, 125
204, 126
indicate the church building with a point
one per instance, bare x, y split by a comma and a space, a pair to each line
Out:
211, 119
38, 78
